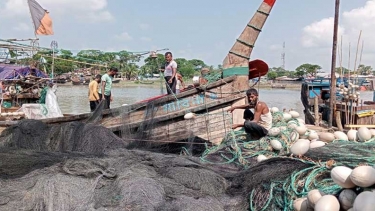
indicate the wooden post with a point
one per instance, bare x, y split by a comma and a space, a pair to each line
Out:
338, 121
316, 110
332, 99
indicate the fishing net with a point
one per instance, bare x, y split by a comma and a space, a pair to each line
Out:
38, 173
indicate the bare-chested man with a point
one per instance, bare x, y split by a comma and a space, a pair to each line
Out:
258, 124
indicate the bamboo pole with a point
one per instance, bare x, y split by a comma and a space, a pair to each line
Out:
356, 55
332, 99
316, 110
338, 120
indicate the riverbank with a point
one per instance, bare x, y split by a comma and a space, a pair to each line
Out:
158, 83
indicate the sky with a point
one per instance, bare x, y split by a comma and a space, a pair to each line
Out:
206, 30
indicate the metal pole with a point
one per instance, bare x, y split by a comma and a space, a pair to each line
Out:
332, 101
54, 46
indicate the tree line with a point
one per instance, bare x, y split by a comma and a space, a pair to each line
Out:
126, 62
311, 70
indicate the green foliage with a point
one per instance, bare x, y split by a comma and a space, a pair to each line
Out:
307, 69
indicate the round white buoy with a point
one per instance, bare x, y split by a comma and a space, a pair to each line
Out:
294, 136
261, 158
189, 115
340, 135
313, 197
326, 137
276, 145
301, 130
300, 147
363, 176
364, 134
346, 198
287, 116
294, 114
341, 176
352, 135
275, 131
316, 144
372, 131
364, 201
274, 109
313, 135
301, 204
327, 203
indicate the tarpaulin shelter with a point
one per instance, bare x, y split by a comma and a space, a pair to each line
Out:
17, 72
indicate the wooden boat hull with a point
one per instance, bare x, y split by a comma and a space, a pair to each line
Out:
209, 103
116, 81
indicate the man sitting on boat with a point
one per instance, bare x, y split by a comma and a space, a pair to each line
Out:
256, 124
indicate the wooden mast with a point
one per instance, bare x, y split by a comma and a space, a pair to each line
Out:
332, 99
237, 60
239, 54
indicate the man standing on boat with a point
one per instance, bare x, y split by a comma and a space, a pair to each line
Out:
93, 92
106, 87
257, 124
170, 73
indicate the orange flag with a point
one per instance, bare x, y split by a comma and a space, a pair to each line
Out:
42, 21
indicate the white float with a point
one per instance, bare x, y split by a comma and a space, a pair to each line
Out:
341, 176
275, 131
300, 147
352, 135
327, 203
276, 145
316, 144
364, 134
301, 204
301, 129
287, 116
274, 109
294, 114
326, 137
340, 135
189, 115
365, 201
363, 176
261, 158
313, 197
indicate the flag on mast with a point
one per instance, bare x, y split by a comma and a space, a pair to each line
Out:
41, 19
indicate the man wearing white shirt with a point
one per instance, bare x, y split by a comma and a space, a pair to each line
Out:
170, 73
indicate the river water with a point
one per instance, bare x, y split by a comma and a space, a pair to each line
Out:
74, 100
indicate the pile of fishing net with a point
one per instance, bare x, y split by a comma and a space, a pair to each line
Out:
317, 152
77, 166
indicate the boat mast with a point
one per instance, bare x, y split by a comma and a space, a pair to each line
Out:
332, 101
239, 54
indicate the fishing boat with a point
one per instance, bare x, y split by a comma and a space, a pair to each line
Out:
20, 85
199, 112
315, 95
116, 80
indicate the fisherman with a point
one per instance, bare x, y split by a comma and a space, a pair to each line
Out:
258, 123
170, 73
93, 92
106, 87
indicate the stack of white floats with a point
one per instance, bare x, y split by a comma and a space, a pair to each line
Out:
301, 139
349, 93
349, 180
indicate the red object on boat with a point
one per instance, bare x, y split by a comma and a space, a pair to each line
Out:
257, 68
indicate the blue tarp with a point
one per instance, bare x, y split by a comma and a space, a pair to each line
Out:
16, 72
